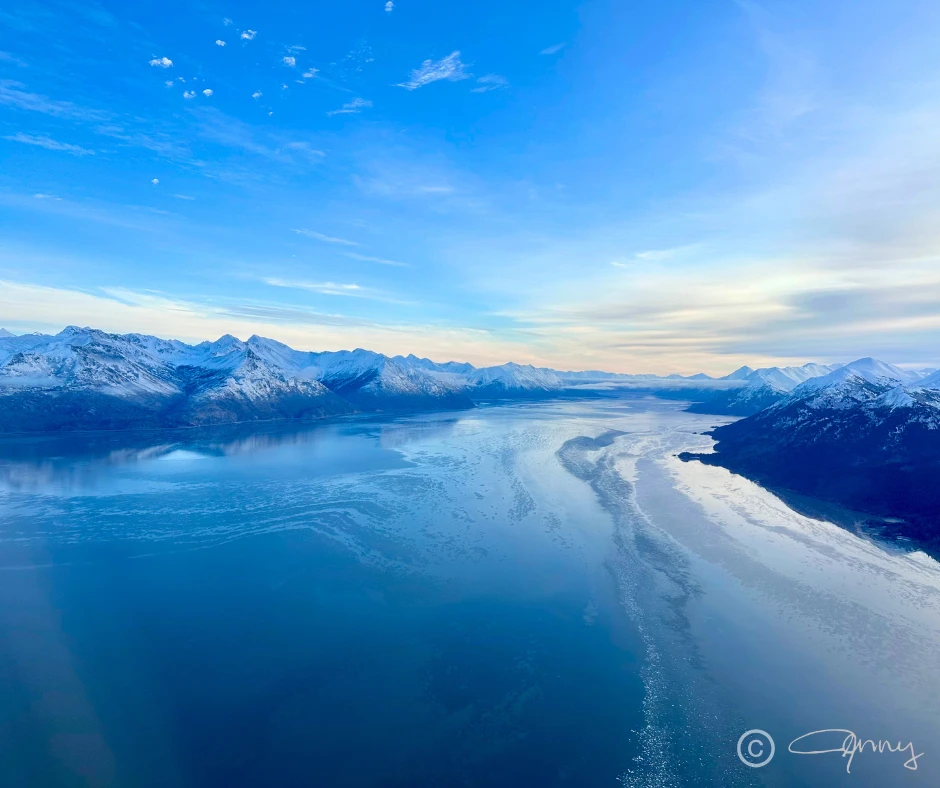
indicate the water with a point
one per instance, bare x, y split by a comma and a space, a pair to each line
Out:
518, 595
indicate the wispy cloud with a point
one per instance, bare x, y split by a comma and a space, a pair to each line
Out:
449, 68
49, 143
161, 62
6, 57
323, 288
490, 82
289, 60
256, 95
188, 94
11, 94
183, 197
351, 107
553, 49
310, 73
380, 260
306, 149
248, 35
326, 238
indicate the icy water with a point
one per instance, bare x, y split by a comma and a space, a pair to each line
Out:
529, 595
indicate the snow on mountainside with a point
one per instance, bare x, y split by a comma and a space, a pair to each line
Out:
761, 388
740, 373
931, 381
866, 435
511, 377
83, 378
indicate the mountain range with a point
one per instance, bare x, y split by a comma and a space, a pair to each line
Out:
866, 435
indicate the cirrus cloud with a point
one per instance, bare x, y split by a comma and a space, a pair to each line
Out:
449, 68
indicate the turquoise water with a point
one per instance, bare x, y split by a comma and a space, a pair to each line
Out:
525, 595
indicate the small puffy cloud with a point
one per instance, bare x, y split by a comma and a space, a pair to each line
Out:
169, 83
189, 94
219, 42
49, 144
352, 107
155, 181
310, 73
389, 7
161, 62
207, 92
247, 35
449, 68
553, 49
226, 21
490, 82
256, 94
289, 60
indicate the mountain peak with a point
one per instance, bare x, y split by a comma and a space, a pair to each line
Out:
4, 333
739, 374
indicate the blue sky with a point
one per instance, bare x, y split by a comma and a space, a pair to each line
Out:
673, 186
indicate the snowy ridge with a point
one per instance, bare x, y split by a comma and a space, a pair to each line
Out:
231, 379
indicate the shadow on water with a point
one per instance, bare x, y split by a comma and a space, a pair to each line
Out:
30, 461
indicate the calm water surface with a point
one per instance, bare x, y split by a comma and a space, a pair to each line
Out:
531, 595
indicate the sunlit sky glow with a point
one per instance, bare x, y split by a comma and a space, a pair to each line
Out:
656, 187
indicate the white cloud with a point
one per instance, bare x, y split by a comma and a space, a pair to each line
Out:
323, 288
42, 196
326, 238
49, 143
310, 73
289, 60
170, 83
553, 49
219, 42
389, 7
351, 107
207, 92
490, 82
256, 94
161, 62
226, 21
155, 181
247, 35
449, 68
183, 197
380, 260
189, 94
296, 48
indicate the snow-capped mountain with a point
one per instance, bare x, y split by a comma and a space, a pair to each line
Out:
83, 378
760, 388
509, 378
866, 435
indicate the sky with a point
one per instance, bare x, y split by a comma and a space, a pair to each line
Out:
629, 186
